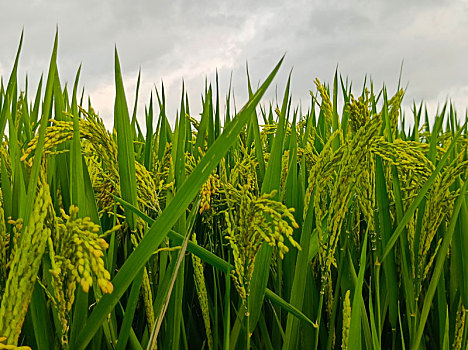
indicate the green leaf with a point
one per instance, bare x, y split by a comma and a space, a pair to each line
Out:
286, 306
134, 122
43, 330
34, 177
385, 226
149, 137
299, 281
130, 312
167, 296
204, 122
76, 162
258, 146
125, 155
11, 87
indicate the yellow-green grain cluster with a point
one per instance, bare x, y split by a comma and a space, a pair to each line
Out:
7, 346
207, 191
24, 266
459, 328
79, 251
251, 221
100, 149
4, 247
359, 113
198, 272
76, 252
346, 320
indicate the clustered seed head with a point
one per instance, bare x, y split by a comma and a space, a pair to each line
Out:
4, 346
255, 220
332, 181
100, 150
79, 251
439, 204
414, 166
346, 320
322, 170
4, 256
101, 155
284, 167
459, 327
244, 171
148, 299
355, 153
394, 110
76, 252
56, 134
326, 106
146, 291
25, 263
365, 189
209, 188
198, 272
359, 112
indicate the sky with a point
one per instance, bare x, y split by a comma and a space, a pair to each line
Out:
175, 41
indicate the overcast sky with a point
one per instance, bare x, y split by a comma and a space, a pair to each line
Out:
175, 40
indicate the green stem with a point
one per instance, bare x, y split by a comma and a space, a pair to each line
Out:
247, 325
319, 315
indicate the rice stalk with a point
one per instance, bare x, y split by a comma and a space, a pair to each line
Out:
24, 266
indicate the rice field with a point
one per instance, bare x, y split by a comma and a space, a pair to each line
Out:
263, 227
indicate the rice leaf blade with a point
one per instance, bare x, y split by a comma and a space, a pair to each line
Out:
126, 155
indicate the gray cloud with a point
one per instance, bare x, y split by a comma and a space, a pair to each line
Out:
177, 40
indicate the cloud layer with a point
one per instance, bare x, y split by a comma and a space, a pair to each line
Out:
177, 40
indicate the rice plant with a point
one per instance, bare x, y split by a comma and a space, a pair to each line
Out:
266, 228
